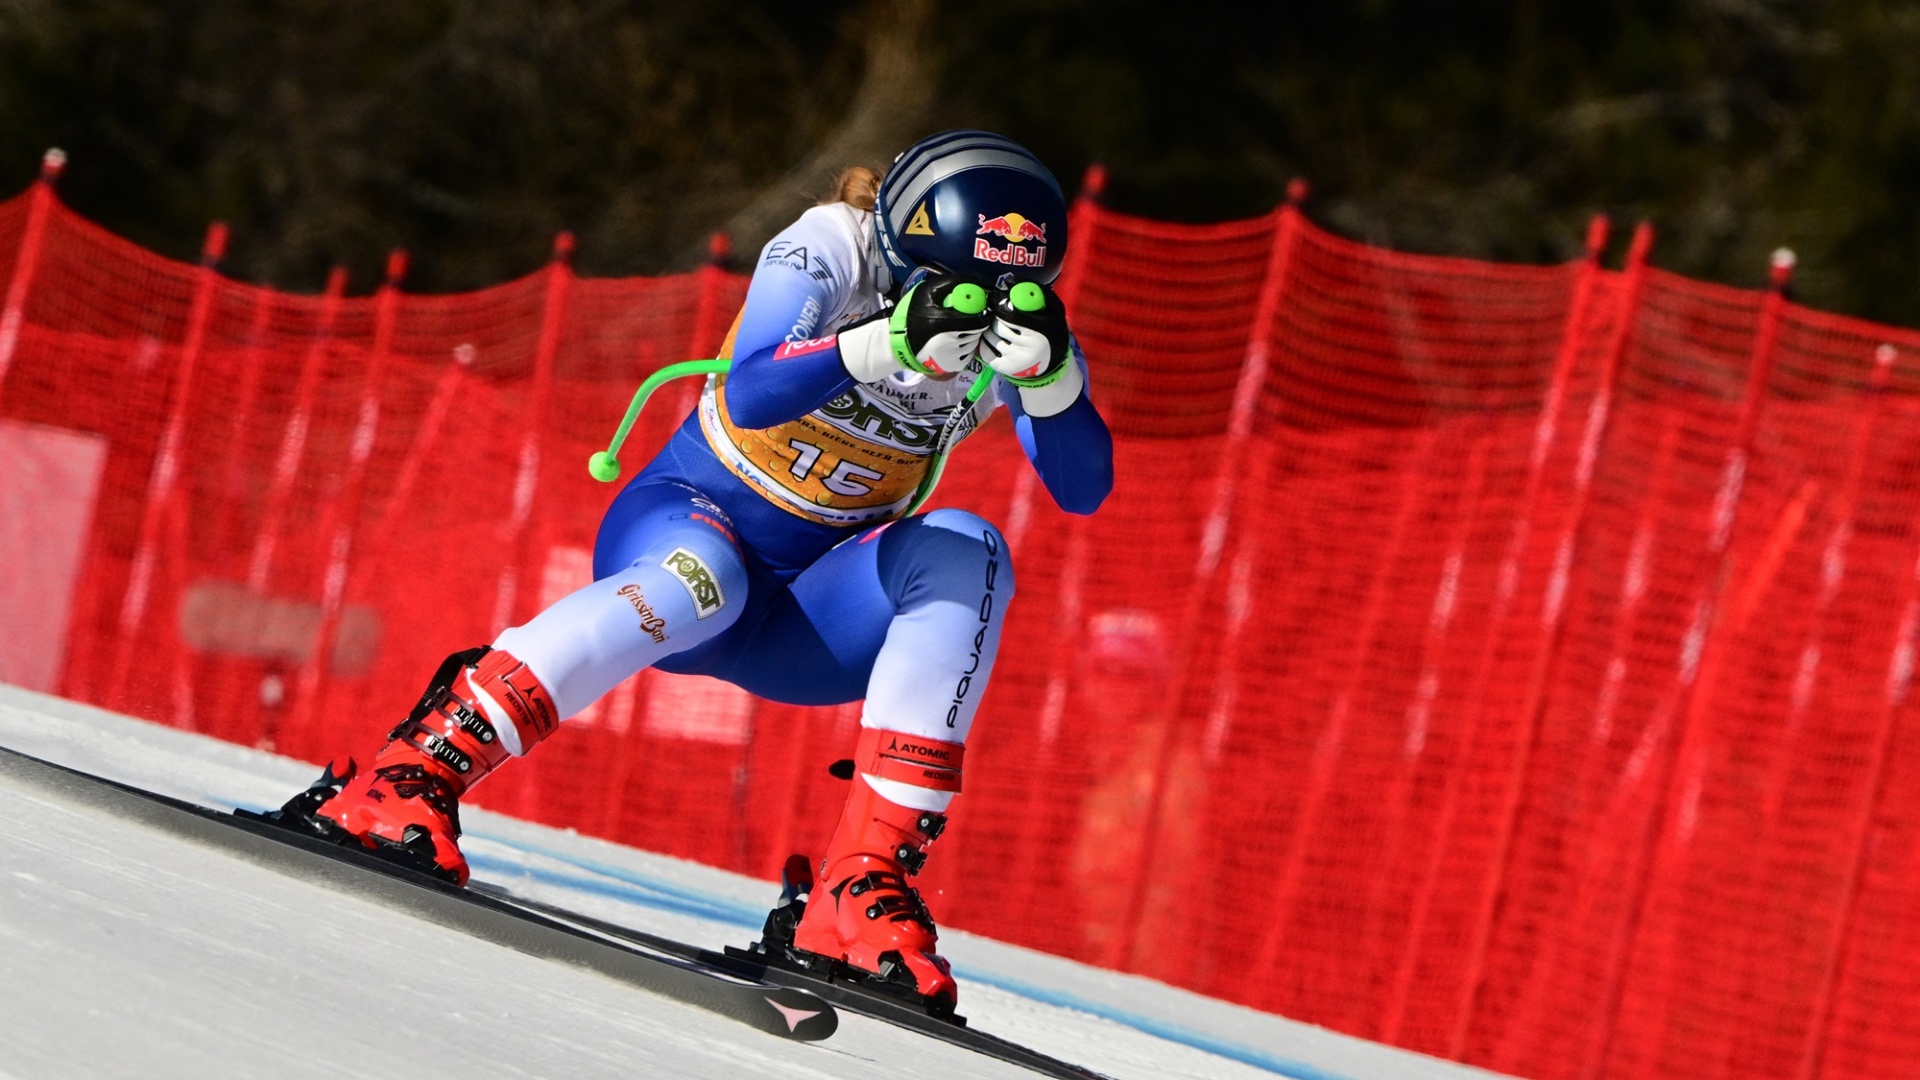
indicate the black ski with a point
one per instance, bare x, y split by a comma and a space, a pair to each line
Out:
666, 968
847, 995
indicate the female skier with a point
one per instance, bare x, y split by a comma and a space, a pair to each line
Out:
767, 544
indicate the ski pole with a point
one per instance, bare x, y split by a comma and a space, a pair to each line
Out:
1025, 296
939, 465
604, 465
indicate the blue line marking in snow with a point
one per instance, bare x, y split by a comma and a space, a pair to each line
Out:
687, 901
647, 892
659, 900
627, 886
1161, 1029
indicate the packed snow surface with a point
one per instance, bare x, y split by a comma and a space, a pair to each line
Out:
127, 951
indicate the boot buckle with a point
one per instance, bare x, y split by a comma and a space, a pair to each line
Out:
931, 825
910, 857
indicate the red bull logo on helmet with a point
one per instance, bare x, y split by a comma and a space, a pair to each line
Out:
1012, 227
1017, 230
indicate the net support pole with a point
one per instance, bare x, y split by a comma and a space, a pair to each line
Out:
340, 531
1553, 610
1398, 799
425, 439
1533, 999
1786, 751
379, 539
13, 310
234, 485
1839, 951
232, 679
1545, 435
526, 483
293, 438
522, 531
1213, 542
161, 483
1702, 655
1317, 786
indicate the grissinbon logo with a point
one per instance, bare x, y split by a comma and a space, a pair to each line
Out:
651, 623
699, 581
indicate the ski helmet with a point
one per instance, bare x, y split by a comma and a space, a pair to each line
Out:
973, 204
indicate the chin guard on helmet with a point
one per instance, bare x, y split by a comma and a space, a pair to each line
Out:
972, 204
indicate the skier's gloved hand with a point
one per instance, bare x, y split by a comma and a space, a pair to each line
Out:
1027, 343
935, 329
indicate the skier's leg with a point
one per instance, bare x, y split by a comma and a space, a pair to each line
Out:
908, 616
669, 576
672, 577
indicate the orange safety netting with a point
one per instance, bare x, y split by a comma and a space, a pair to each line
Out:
1512, 663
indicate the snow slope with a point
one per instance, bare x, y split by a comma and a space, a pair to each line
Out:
125, 951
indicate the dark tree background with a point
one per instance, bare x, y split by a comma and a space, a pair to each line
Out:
469, 131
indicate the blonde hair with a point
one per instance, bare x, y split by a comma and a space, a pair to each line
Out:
857, 186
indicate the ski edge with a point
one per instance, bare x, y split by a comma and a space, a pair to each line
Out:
777, 1009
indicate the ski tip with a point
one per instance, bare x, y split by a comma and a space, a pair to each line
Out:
802, 1016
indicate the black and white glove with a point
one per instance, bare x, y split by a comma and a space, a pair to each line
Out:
1028, 345
935, 329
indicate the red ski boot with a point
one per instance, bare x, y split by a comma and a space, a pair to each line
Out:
405, 803
863, 913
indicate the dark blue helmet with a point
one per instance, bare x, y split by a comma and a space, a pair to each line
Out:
974, 204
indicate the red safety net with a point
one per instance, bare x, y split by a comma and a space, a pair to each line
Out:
1512, 663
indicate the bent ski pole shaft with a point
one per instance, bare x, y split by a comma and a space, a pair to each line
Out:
605, 464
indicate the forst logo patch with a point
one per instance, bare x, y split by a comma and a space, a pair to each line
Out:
698, 581
1017, 230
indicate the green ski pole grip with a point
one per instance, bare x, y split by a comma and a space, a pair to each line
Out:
967, 299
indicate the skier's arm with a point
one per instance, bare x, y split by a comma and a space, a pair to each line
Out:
1072, 449
784, 364
1028, 345
934, 330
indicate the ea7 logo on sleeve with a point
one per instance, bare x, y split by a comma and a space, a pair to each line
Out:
698, 579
